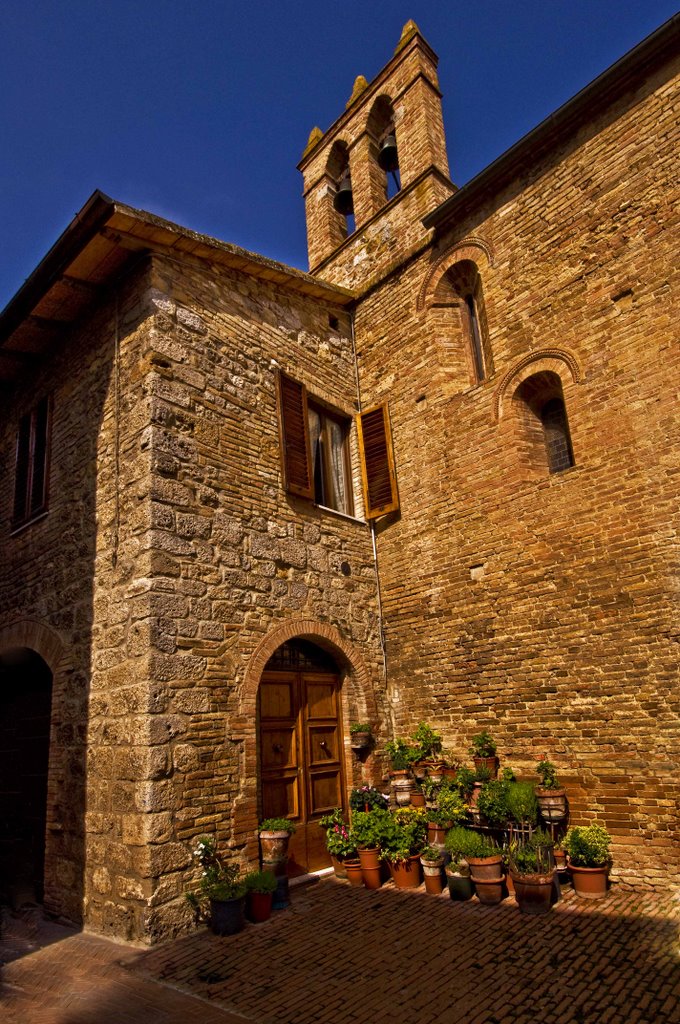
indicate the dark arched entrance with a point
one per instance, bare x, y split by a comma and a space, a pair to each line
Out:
25, 709
301, 746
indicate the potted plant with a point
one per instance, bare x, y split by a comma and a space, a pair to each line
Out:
401, 844
450, 810
221, 891
275, 835
428, 746
341, 845
432, 861
492, 803
589, 859
522, 807
460, 842
465, 782
369, 829
483, 751
361, 735
260, 889
552, 798
367, 798
402, 758
533, 874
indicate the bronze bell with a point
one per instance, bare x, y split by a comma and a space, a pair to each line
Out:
342, 200
388, 158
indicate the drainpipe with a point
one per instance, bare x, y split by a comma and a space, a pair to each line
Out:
374, 545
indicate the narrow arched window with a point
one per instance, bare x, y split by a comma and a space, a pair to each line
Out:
543, 424
464, 286
556, 433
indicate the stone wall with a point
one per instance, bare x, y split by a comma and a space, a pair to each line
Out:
233, 559
544, 606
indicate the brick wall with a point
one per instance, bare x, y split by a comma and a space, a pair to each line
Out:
544, 607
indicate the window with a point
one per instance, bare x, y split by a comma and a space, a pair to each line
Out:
32, 463
545, 442
461, 286
328, 434
556, 435
315, 452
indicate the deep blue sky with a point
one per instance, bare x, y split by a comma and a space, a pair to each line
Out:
199, 111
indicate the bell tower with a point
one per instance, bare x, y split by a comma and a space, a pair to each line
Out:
378, 170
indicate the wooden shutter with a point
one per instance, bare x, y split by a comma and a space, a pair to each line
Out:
296, 459
377, 462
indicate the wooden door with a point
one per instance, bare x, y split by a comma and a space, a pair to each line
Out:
301, 747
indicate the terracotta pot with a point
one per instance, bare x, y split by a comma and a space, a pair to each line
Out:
353, 872
489, 892
486, 869
432, 870
560, 859
589, 883
406, 873
226, 916
418, 800
370, 867
533, 892
259, 906
460, 886
436, 834
552, 804
360, 740
491, 763
274, 845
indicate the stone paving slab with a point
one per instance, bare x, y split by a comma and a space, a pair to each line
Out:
348, 956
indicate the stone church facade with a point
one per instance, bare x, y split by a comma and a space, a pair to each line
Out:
436, 477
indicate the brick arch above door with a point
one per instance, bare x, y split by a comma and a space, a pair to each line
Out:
358, 688
36, 636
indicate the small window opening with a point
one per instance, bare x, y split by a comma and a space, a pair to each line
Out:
32, 462
462, 286
556, 433
544, 438
475, 336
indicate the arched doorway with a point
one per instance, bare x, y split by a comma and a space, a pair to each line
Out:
25, 711
301, 746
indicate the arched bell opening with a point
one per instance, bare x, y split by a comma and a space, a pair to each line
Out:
25, 717
301, 749
338, 171
382, 130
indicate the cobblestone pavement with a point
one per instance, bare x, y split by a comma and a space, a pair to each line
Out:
356, 957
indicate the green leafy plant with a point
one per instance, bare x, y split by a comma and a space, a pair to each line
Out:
277, 825
430, 788
525, 860
427, 741
492, 803
367, 796
360, 727
369, 828
218, 880
431, 854
481, 773
260, 881
482, 745
508, 775
588, 846
462, 843
522, 803
548, 774
405, 836
541, 839
450, 808
401, 754
334, 818
341, 841
465, 781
